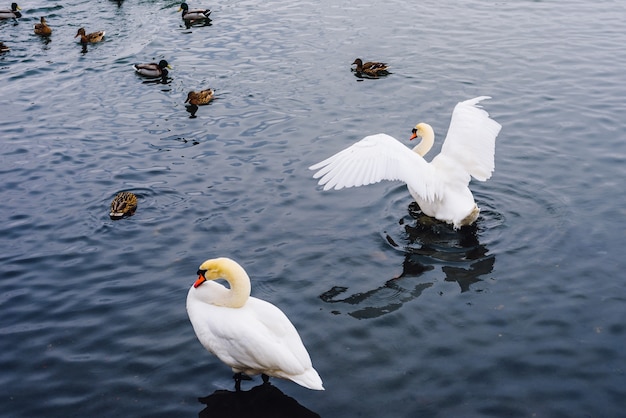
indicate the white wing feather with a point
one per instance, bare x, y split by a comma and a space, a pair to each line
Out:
471, 139
376, 158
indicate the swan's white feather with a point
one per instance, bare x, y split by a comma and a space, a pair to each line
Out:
440, 187
376, 158
471, 139
255, 338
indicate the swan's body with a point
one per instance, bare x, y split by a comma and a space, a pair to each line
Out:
12, 13
42, 28
439, 187
250, 335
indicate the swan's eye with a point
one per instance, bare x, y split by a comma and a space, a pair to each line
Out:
413, 131
201, 273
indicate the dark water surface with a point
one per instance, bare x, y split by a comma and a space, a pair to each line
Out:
521, 316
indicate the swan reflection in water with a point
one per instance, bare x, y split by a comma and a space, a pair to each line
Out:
429, 243
265, 400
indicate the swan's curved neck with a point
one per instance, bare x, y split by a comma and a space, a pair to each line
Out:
428, 139
237, 278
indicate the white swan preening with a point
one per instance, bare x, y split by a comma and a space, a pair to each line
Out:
250, 335
439, 187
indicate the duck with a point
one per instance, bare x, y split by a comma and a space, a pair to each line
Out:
153, 70
13, 13
195, 14
250, 335
86, 38
4, 48
201, 97
123, 204
42, 28
370, 68
440, 187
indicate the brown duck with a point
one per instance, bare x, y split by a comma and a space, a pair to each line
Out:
372, 69
42, 28
200, 97
123, 204
86, 38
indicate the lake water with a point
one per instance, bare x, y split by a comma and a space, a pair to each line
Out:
520, 316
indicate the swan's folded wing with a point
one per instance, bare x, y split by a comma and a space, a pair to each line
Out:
471, 138
258, 337
376, 158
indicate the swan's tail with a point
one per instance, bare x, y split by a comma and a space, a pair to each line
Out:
309, 379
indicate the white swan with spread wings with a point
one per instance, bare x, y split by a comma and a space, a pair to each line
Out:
439, 187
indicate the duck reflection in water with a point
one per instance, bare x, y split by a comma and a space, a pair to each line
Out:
429, 243
264, 400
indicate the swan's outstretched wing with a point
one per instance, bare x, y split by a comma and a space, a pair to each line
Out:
375, 158
471, 139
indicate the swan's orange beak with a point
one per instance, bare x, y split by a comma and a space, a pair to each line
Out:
413, 135
200, 280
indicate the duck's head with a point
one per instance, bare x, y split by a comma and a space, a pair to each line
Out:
15, 7
81, 32
163, 64
358, 61
42, 20
183, 6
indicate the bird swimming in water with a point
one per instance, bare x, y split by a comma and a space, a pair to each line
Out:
440, 187
123, 204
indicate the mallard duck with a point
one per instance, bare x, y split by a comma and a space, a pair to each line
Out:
199, 97
123, 204
250, 335
372, 69
195, 14
153, 70
4, 48
11, 14
86, 38
441, 187
42, 28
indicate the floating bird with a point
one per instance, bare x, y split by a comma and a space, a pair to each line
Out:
123, 204
250, 335
200, 97
4, 48
195, 14
12, 13
153, 70
42, 28
372, 69
86, 38
440, 187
